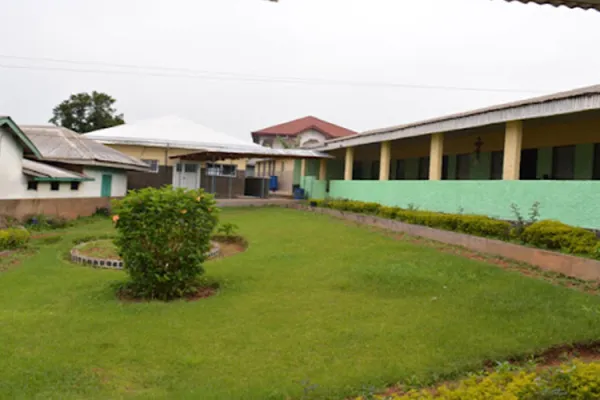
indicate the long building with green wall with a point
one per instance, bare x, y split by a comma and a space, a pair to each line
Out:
544, 150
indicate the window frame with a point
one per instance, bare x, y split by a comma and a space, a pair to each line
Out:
153, 164
32, 186
423, 169
214, 169
555, 171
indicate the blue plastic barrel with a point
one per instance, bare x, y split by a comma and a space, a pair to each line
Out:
273, 184
299, 194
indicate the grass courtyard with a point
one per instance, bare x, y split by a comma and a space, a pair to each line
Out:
315, 308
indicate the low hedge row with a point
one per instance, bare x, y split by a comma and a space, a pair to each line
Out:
477, 225
13, 238
549, 234
575, 380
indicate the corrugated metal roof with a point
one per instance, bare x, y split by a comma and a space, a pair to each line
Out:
64, 145
584, 4
577, 100
45, 171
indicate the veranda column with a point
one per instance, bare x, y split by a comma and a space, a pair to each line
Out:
349, 164
513, 139
303, 167
384, 161
323, 170
436, 156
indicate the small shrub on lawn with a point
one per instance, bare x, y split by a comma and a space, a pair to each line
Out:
13, 238
555, 235
228, 229
40, 222
163, 235
576, 380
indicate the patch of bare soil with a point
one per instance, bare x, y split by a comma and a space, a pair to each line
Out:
230, 245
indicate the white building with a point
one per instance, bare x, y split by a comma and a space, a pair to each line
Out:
48, 162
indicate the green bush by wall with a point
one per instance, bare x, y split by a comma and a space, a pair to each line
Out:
551, 235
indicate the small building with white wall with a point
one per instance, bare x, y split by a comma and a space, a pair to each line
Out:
42, 166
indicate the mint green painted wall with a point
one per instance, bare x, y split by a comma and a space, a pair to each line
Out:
584, 161
572, 202
411, 169
314, 188
452, 167
544, 162
297, 172
481, 169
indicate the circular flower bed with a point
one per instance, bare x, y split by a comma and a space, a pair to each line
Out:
103, 254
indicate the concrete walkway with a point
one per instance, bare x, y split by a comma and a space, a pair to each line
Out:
255, 202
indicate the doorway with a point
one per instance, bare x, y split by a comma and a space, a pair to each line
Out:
528, 164
188, 176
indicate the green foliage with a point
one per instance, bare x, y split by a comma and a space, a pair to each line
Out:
228, 229
85, 112
520, 222
337, 285
41, 222
163, 235
470, 224
13, 238
574, 380
555, 235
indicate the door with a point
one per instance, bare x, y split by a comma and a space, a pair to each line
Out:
106, 188
189, 176
528, 164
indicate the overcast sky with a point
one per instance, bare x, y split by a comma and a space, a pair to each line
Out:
228, 57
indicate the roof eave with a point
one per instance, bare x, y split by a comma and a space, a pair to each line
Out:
21, 135
95, 163
528, 111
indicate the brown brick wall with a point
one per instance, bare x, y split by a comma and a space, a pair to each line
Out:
68, 208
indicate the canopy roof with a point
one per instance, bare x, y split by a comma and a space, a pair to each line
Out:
170, 131
216, 154
44, 172
59, 144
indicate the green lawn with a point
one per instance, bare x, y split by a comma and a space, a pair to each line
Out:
313, 299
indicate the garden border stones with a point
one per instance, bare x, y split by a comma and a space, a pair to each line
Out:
106, 263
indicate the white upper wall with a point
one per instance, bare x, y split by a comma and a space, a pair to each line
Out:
11, 168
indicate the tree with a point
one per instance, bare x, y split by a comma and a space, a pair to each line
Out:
84, 112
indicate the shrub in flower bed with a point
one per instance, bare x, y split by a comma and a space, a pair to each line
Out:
13, 238
548, 234
162, 237
575, 380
